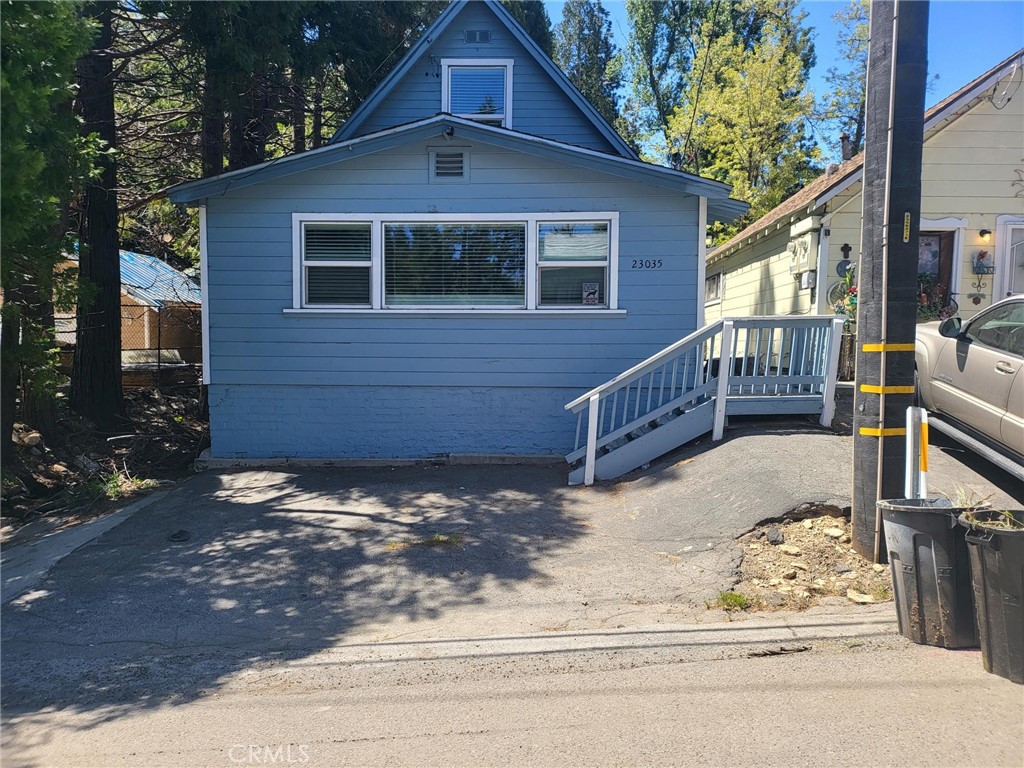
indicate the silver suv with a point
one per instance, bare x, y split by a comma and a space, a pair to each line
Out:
973, 372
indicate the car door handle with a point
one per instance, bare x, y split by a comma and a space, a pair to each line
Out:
1002, 367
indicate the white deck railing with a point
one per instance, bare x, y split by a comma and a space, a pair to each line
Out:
768, 360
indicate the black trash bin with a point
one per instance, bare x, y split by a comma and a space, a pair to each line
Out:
997, 571
931, 574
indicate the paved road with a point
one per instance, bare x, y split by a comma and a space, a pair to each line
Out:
663, 697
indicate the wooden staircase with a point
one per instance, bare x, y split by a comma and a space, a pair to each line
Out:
773, 365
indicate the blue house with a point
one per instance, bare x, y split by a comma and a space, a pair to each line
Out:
475, 248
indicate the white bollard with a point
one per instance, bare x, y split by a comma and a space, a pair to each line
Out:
915, 482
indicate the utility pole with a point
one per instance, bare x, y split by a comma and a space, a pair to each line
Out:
887, 281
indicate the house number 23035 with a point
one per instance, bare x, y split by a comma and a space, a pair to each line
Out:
646, 263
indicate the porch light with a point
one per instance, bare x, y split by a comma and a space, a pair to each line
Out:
985, 235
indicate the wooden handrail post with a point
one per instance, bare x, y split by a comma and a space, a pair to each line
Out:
588, 472
724, 369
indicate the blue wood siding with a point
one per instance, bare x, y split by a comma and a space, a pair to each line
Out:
539, 107
418, 385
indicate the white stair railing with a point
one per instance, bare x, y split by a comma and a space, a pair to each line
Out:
766, 361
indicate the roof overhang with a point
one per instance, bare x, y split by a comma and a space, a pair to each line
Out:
720, 206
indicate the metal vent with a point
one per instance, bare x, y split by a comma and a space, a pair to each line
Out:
478, 35
449, 165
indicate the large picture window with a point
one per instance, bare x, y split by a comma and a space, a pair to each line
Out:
478, 89
456, 262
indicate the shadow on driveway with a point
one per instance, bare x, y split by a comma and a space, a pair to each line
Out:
275, 566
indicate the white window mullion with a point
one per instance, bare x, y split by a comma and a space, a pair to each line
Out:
377, 264
508, 95
298, 274
613, 264
532, 274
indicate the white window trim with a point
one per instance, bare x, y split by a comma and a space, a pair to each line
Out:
721, 288
299, 295
1001, 278
532, 269
432, 160
448, 64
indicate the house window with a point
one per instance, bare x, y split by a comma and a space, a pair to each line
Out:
506, 262
336, 263
457, 264
478, 89
572, 261
713, 289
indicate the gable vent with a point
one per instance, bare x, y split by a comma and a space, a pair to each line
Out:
449, 165
478, 35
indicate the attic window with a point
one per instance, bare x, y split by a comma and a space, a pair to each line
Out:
478, 89
449, 164
478, 36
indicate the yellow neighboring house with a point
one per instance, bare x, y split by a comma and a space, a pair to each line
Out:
971, 248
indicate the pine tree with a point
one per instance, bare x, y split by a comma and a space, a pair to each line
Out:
585, 52
44, 162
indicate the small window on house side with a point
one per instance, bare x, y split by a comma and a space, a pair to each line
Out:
713, 288
572, 262
336, 261
478, 89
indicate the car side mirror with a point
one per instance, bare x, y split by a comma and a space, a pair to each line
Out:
950, 327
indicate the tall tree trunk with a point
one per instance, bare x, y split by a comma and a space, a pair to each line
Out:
298, 99
10, 368
318, 112
96, 375
37, 405
213, 119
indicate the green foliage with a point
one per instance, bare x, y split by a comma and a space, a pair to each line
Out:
731, 601
744, 119
44, 161
533, 17
667, 67
585, 52
842, 108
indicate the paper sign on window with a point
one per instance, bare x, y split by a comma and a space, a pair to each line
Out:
590, 293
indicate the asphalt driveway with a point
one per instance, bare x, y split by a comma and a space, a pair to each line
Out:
234, 568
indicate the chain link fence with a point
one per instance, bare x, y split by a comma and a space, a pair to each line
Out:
160, 346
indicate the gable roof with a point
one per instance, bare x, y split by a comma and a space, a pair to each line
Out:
543, 60
837, 179
720, 206
154, 282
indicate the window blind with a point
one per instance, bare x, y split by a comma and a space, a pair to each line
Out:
455, 264
477, 90
337, 242
573, 241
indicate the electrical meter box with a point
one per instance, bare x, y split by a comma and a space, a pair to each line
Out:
801, 253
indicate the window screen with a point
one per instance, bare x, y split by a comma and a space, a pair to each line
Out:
454, 264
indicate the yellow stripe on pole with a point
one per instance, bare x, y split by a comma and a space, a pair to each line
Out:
889, 389
924, 446
886, 432
894, 347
